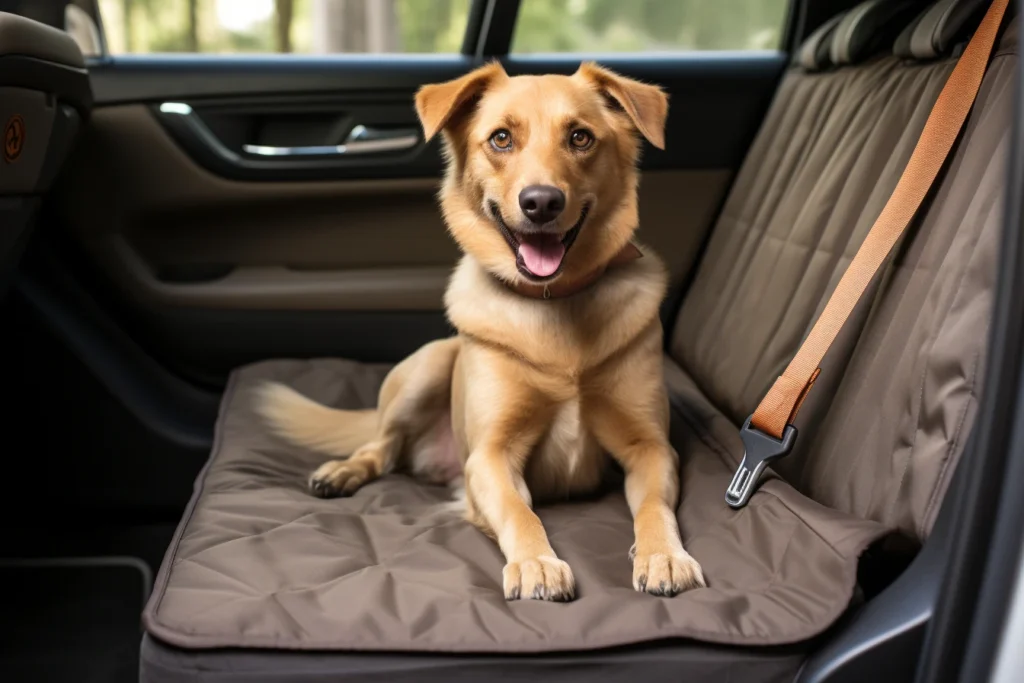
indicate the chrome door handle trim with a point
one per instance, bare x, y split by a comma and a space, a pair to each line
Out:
361, 140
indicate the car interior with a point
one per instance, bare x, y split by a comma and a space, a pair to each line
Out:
177, 229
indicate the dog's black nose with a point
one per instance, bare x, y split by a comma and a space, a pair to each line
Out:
541, 203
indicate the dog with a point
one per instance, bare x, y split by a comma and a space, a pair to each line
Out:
557, 364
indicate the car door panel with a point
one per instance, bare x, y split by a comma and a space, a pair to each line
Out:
167, 232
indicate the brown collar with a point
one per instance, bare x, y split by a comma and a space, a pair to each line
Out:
562, 288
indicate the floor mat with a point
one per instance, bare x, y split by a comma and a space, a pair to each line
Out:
72, 620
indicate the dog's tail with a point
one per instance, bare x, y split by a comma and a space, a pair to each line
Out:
307, 423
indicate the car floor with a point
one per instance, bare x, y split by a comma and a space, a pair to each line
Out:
73, 602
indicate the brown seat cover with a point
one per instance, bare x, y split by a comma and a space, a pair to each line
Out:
258, 563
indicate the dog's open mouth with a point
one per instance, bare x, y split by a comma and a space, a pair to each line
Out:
539, 255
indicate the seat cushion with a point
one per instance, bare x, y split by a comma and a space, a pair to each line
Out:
258, 562
661, 663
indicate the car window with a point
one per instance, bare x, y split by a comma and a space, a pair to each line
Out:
648, 25
284, 26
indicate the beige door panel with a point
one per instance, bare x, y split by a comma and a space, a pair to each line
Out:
276, 287
141, 208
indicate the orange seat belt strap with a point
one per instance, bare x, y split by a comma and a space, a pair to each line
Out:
770, 427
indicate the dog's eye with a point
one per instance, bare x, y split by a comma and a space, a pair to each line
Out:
501, 140
581, 139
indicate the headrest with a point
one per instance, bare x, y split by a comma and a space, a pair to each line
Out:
868, 28
813, 55
940, 27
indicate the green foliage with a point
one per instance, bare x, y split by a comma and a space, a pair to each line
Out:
437, 26
648, 25
432, 26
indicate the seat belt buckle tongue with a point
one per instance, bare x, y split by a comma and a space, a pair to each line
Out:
759, 450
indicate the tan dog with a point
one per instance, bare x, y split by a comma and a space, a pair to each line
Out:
558, 361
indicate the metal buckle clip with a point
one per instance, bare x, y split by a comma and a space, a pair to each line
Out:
760, 449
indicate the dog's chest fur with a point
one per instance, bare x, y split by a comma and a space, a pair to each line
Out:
558, 344
568, 460
567, 336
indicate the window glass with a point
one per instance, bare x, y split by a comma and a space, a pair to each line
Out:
284, 26
648, 25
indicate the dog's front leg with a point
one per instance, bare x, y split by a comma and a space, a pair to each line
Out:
500, 500
505, 417
631, 422
660, 564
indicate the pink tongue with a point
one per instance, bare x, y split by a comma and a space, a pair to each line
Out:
542, 254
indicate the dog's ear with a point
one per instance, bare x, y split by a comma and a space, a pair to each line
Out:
646, 105
437, 103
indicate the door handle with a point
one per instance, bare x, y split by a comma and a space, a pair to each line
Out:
361, 157
362, 140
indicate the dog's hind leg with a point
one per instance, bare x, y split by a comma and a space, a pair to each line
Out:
415, 394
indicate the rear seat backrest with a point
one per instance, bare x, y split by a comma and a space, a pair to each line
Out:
827, 157
886, 445
825, 161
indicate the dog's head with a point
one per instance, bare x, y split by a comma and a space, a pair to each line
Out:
541, 180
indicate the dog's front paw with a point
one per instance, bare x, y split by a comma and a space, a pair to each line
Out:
662, 574
338, 478
540, 578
